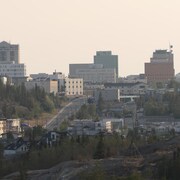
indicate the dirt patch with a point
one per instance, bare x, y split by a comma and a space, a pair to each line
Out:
45, 117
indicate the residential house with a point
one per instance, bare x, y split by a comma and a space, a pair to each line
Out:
18, 147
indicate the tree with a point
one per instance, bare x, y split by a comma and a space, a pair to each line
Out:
100, 104
1, 157
100, 151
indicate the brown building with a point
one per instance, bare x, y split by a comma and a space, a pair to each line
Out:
160, 68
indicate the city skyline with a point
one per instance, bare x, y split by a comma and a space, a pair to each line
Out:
53, 35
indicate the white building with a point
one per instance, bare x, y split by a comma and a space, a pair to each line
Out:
4, 80
9, 63
13, 70
2, 126
13, 125
73, 87
113, 125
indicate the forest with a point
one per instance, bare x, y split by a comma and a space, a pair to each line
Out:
18, 102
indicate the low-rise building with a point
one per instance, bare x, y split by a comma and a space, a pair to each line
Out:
56, 76
49, 86
84, 127
113, 125
141, 78
73, 86
18, 147
3, 79
92, 73
108, 94
92, 128
2, 125
13, 125
137, 88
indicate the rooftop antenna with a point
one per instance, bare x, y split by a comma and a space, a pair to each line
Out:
170, 47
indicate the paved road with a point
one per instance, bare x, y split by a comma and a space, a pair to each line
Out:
71, 108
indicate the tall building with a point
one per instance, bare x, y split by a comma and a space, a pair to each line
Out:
161, 67
9, 63
107, 60
9, 53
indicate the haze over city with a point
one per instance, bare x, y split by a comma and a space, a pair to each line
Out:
53, 34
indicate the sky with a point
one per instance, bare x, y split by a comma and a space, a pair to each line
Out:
55, 33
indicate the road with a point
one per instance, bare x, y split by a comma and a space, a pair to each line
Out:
71, 108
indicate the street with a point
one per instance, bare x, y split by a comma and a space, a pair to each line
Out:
71, 108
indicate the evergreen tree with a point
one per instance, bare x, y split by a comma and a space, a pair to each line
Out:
100, 151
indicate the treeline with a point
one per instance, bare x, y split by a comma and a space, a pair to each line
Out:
168, 105
18, 102
160, 105
74, 148
87, 112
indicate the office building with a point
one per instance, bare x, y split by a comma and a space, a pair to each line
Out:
73, 86
56, 76
108, 94
107, 60
9, 53
160, 69
13, 70
49, 86
10, 65
92, 73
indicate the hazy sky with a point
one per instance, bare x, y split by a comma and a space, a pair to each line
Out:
54, 33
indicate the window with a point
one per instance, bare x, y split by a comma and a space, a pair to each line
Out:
53, 136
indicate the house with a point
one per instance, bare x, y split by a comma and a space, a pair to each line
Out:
18, 147
51, 138
84, 127
113, 125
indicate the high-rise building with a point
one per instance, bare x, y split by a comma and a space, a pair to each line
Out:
9, 53
9, 63
161, 67
107, 60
